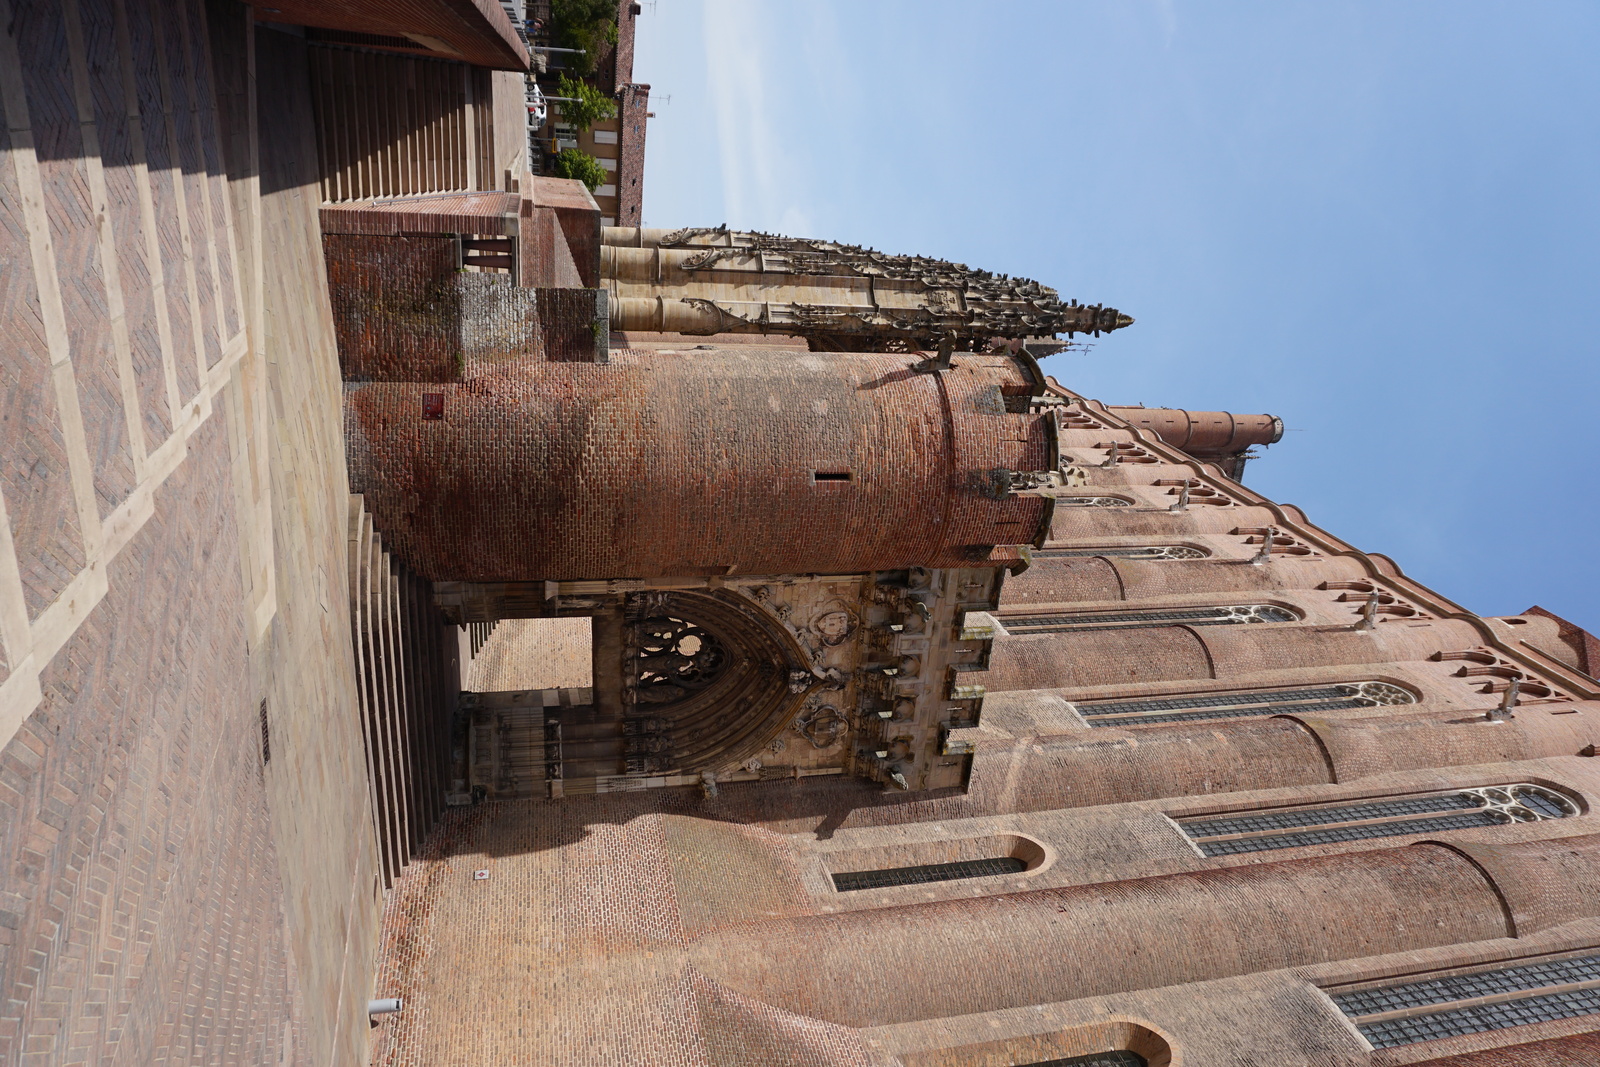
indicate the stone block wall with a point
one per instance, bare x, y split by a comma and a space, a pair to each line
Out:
404, 312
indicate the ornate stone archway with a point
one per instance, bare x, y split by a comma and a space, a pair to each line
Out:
718, 674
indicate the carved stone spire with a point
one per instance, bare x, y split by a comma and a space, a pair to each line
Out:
705, 281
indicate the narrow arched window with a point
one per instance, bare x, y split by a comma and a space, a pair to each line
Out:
1263, 829
848, 881
1077, 621
1124, 552
1092, 502
1117, 1058
937, 861
1246, 704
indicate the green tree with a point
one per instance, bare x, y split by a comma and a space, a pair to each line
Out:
587, 24
587, 105
571, 163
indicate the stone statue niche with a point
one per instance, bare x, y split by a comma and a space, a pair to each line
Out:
839, 297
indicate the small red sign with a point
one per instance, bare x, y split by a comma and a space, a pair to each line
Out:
433, 405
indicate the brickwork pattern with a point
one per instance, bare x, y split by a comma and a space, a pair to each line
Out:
488, 212
1219, 951
170, 896
404, 313
1585, 646
725, 443
141, 916
41, 33
569, 326
634, 120
37, 482
37, 479
1417, 898
122, 152
319, 787
573, 900
735, 889
396, 309
145, 34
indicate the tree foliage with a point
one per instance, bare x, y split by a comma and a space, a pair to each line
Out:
587, 106
571, 163
587, 24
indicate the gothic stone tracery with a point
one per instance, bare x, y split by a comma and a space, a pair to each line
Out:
840, 297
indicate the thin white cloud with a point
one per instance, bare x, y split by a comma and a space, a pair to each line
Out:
735, 42
1167, 10
761, 77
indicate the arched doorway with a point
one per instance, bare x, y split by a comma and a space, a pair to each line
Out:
700, 682
718, 673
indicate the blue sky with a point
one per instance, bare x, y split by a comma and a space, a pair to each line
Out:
1379, 221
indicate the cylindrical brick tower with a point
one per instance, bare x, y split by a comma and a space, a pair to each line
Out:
1205, 433
701, 463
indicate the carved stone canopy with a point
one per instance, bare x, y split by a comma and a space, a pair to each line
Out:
713, 280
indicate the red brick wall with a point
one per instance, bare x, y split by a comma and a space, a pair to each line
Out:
1204, 432
1064, 580
578, 217
395, 311
567, 324
1097, 657
844, 968
692, 464
1583, 644
634, 121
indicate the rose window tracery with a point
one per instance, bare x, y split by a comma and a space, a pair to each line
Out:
675, 658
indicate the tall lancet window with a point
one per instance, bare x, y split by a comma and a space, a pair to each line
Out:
1078, 621
1249, 703
1124, 552
1263, 829
1433, 1006
1093, 502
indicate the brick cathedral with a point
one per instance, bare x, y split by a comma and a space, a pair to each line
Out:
443, 626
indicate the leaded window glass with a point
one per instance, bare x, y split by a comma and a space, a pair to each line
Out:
1262, 830
1116, 1058
1092, 502
1258, 702
1452, 1005
1226, 615
1431, 991
1478, 1018
929, 872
